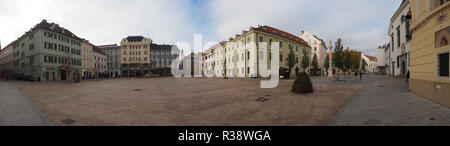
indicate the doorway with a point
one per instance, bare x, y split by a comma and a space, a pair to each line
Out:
63, 75
403, 69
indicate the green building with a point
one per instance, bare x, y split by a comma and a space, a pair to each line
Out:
47, 52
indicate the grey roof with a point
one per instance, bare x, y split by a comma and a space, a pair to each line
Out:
135, 38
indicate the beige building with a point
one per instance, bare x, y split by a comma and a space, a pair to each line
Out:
100, 62
242, 55
318, 47
430, 50
6, 61
135, 56
88, 69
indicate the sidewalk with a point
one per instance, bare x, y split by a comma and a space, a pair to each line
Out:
386, 101
17, 110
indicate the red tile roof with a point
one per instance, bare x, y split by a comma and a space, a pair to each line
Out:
51, 27
282, 34
372, 58
55, 28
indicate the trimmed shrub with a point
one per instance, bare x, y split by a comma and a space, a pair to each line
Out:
302, 84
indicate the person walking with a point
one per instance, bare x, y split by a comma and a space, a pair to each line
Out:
407, 77
356, 75
360, 75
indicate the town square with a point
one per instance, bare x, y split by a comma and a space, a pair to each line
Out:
273, 71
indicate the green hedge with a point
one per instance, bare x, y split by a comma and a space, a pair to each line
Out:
302, 84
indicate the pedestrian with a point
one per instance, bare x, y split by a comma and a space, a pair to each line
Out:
356, 75
407, 77
360, 75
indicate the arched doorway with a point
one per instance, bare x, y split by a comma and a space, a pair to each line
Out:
63, 72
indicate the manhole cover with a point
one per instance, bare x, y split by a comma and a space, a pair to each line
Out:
381, 86
68, 121
137, 89
432, 119
262, 99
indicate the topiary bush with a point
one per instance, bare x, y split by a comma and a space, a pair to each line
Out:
302, 84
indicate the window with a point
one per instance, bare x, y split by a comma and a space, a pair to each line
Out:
248, 55
392, 40
444, 65
261, 39
315, 49
296, 48
270, 41
281, 44
444, 42
398, 36
281, 57
261, 54
270, 56
31, 46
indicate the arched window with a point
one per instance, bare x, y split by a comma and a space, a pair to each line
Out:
444, 42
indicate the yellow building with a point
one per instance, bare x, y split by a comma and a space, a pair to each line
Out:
430, 50
135, 56
87, 67
242, 56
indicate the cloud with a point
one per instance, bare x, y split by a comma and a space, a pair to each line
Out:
362, 24
101, 21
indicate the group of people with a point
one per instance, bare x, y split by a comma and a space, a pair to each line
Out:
360, 73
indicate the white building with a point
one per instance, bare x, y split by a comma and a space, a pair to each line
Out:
371, 62
318, 46
382, 59
400, 37
100, 61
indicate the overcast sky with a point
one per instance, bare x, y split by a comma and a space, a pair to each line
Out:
362, 24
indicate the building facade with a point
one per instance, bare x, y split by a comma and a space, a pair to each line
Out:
135, 59
47, 52
400, 38
113, 59
100, 63
371, 62
318, 46
87, 64
161, 57
382, 60
430, 51
242, 56
6, 62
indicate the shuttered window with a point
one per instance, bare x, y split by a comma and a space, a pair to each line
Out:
444, 65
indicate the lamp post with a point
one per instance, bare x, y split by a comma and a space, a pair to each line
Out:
330, 69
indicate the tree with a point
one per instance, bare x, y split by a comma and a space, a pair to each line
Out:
315, 62
356, 59
305, 60
363, 67
338, 57
326, 64
291, 61
347, 56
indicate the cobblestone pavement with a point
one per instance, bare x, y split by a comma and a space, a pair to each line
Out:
386, 101
185, 102
17, 110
